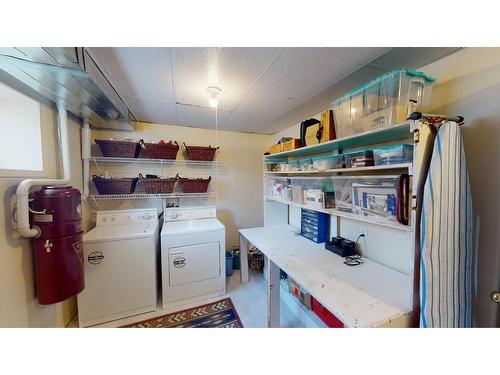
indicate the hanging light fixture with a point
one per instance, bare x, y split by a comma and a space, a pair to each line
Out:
213, 95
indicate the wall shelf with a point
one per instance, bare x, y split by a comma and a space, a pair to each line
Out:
165, 162
150, 196
347, 215
407, 166
393, 133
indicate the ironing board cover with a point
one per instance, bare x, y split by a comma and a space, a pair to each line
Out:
446, 235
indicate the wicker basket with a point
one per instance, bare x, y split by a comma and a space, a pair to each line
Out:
158, 185
201, 153
255, 259
194, 185
107, 186
119, 149
160, 151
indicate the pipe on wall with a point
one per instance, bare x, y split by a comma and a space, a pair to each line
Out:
85, 157
22, 193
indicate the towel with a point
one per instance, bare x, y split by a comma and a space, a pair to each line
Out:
446, 235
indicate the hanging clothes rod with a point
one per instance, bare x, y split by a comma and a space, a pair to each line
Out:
431, 118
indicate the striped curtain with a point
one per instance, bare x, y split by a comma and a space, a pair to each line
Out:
446, 245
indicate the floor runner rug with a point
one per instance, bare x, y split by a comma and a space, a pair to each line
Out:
220, 314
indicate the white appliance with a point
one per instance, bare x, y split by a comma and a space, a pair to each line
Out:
121, 257
193, 262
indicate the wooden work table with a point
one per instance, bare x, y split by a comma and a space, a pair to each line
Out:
367, 295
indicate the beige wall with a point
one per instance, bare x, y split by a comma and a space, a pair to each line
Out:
469, 85
18, 307
239, 181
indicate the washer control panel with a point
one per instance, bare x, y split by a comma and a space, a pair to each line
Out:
189, 213
126, 217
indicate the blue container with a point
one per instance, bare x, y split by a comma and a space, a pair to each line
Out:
314, 225
229, 263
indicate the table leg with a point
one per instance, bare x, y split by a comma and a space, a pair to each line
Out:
243, 259
273, 294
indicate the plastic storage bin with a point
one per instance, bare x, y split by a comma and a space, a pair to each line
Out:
306, 164
359, 159
328, 162
283, 166
314, 225
326, 316
294, 165
397, 154
387, 100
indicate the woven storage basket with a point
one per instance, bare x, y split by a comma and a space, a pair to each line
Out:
160, 151
114, 185
194, 185
119, 149
255, 259
158, 185
201, 153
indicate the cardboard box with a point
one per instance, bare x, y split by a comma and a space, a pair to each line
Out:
299, 293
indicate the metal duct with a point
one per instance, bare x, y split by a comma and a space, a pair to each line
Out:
68, 77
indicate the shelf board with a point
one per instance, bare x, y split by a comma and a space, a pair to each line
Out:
393, 133
150, 196
166, 162
347, 170
347, 215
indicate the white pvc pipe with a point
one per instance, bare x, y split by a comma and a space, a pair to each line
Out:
22, 192
85, 157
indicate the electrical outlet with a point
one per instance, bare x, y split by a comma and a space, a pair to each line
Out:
365, 232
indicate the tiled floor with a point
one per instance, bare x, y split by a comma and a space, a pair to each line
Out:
249, 300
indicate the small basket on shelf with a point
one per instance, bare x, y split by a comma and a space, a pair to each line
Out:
119, 149
107, 186
200, 153
255, 259
194, 185
160, 150
155, 185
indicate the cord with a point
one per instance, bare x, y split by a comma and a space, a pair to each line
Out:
354, 260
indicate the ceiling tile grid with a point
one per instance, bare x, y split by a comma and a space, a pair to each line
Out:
259, 85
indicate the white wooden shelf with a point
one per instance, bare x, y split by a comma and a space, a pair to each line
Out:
333, 211
407, 166
368, 295
150, 196
165, 162
393, 133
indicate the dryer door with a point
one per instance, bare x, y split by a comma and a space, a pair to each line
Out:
193, 263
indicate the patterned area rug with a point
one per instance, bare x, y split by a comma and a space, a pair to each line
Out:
220, 314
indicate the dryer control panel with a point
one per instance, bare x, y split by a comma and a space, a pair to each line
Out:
189, 213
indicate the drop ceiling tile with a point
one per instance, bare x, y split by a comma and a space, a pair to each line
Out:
361, 55
199, 117
144, 73
152, 110
234, 70
296, 75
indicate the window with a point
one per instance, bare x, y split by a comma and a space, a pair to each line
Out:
20, 132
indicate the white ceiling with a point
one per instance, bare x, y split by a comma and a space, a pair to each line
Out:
259, 85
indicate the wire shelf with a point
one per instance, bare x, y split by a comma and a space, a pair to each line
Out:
164, 162
150, 196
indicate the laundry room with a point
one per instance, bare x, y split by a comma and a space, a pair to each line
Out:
287, 187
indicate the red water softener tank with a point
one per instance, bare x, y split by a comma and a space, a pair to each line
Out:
56, 210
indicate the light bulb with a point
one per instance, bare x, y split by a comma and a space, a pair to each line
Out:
213, 94
212, 103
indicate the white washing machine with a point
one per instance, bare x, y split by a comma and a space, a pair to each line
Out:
193, 260
121, 255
